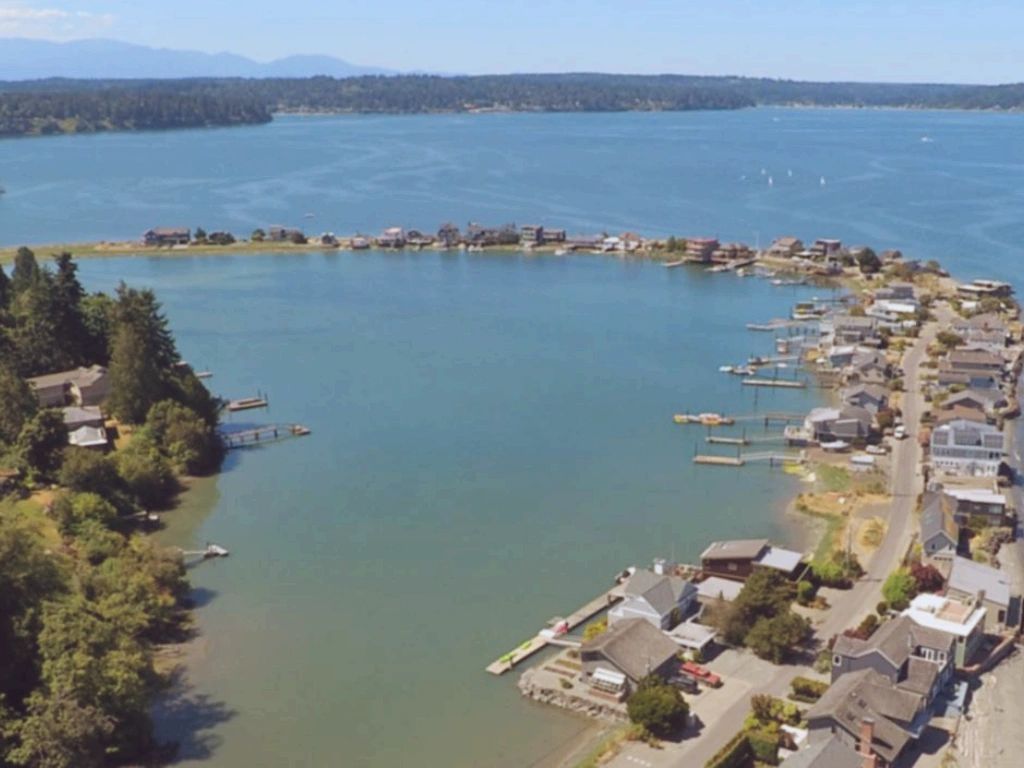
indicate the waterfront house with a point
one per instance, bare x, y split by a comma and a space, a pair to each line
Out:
961, 413
962, 620
279, 234
359, 243
825, 248
870, 397
448, 235
728, 252
940, 533
631, 241
585, 242
864, 711
732, 559
961, 447
987, 505
893, 315
853, 329
979, 289
716, 590
80, 386
167, 236
842, 356
392, 237
419, 239
787, 247
913, 658
531, 234
630, 650
662, 599
89, 437
850, 424
990, 588
868, 367
701, 248
477, 234
948, 377
554, 235
897, 291
985, 331
612, 243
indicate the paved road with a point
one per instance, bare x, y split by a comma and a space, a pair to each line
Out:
723, 712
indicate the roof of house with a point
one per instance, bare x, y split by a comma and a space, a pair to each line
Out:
867, 694
718, 588
80, 376
735, 549
783, 559
169, 231
88, 437
854, 322
921, 676
634, 646
976, 495
975, 357
828, 753
972, 578
896, 640
962, 413
988, 398
968, 433
937, 518
944, 614
74, 414
662, 593
873, 391
987, 321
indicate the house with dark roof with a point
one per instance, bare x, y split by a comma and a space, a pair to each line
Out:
850, 424
910, 657
988, 504
80, 386
786, 247
738, 558
661, 599
871, 397
940, 534
985, 401
863, 708
830, 752
853, 329
991, 588
976, 361
632, 648
167, 236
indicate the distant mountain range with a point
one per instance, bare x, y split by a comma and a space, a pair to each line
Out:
24, 59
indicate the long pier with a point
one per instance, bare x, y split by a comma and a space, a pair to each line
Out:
718, 461
784, 383
721, 440
270, 433
540, 641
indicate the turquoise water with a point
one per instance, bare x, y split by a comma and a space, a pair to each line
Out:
491, 435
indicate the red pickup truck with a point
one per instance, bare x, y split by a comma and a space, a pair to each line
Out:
701, 674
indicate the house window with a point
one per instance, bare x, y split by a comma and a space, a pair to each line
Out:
732, 566
837, 660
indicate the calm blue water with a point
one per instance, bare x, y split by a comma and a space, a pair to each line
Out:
492, 435
956, 197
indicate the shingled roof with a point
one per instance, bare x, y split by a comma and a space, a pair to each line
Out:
634, 646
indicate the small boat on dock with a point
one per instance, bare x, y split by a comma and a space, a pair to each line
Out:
704, 419
215, 550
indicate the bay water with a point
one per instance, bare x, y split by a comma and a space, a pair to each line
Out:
492, 435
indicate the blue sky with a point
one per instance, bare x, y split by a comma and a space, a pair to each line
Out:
909, 40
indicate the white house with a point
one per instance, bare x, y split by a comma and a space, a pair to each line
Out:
961, 447
659, 599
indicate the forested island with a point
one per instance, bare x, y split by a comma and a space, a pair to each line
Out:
85, 597
85, 106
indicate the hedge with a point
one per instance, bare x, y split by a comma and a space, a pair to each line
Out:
805, 689
735, 754
764, 745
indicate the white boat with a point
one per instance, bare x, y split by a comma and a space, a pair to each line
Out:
726, 368
215, 550
561, 252
823, 181
770, 182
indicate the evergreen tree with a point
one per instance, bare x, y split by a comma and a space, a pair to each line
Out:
6, 290
42, 441
26, 270
18, 404
135, 380
67, 295
141, 310
35, 334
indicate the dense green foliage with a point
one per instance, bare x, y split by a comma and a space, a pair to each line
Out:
762, 618
83, 597
807, 690
59, 105
899, 589
658, 707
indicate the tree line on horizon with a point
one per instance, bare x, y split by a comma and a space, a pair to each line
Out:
83, 106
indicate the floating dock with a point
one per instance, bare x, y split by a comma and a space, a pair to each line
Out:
248, 403
262, 435
541, 640
719, 440
785, 383
718, 461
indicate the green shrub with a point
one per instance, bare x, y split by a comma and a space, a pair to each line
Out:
899, 589
735, 754
807, 690
764, 745
804, 592
658, 707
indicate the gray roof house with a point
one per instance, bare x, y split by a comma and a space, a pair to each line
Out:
988, 401
830, 752
962, 447
864, 706
851, 329
991, 587
872, 397
976, 361
631, 647
910, 657
662, 600
940, 534
849, 423
80, 386
82, 416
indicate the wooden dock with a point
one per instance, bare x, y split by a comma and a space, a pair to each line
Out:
721, 440
540, 641
718, 461
270, 433
248, 403
784, 383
